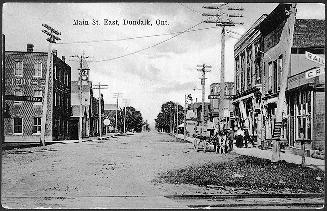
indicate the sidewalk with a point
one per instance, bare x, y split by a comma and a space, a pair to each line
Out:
267, 154
288, 157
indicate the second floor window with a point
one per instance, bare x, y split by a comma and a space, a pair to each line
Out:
280, 70
19, 68
38, 69
55, 72
270, 72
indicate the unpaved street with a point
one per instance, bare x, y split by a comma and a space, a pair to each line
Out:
115, 173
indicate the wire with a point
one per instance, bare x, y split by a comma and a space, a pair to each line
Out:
193, 10
138, 37
143, 49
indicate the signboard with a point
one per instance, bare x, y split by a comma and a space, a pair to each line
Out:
213, 96
315, 72
106, 122
26, 82
23, 98
85, 74
314, 58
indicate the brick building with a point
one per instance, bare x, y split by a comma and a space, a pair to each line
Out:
248, 79
25, 74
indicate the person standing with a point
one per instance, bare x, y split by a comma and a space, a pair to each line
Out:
231, 137
239, 137
301, 137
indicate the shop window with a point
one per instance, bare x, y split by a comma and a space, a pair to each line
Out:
18, 125
37, 125
38, 69
19, 68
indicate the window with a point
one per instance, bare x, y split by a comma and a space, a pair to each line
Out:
18, 93
280, 71
18, 125
37, 93
19, 68
275, 76
270, 70
55, 99
55, 72
38, 69
37, 125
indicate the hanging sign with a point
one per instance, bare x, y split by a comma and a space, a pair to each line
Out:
314, 58
315, 72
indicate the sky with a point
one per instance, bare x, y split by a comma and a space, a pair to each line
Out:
164, 71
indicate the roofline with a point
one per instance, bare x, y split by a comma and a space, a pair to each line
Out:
26, 52
249, 31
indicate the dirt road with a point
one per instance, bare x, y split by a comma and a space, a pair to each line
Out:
115, 173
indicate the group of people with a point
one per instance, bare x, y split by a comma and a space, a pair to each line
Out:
223, 140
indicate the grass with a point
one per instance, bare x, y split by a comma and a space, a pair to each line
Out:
249, 173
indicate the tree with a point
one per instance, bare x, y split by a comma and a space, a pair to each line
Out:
134, 119
165, 118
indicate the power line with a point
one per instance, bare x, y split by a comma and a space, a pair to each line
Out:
143, 49
193, 10
137, 37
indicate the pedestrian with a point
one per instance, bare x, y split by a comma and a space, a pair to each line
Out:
301, 137
239, 137
222, 142
246, 137
230, 140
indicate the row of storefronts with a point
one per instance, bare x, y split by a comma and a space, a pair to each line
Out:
260, 57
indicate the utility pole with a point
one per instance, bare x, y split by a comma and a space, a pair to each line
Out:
223, 20
174, 117
83, 76
185, 109
203, 70
185, 118
51, 32
116, 95
100, 86
177, 118
125, 102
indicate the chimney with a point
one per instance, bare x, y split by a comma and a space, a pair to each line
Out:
30, 47
63, 58
54, 52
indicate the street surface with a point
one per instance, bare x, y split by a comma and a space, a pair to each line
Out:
115, 173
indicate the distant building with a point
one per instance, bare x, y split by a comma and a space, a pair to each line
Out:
227, 116
193, 117
94, 115
25, 74
110, 113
